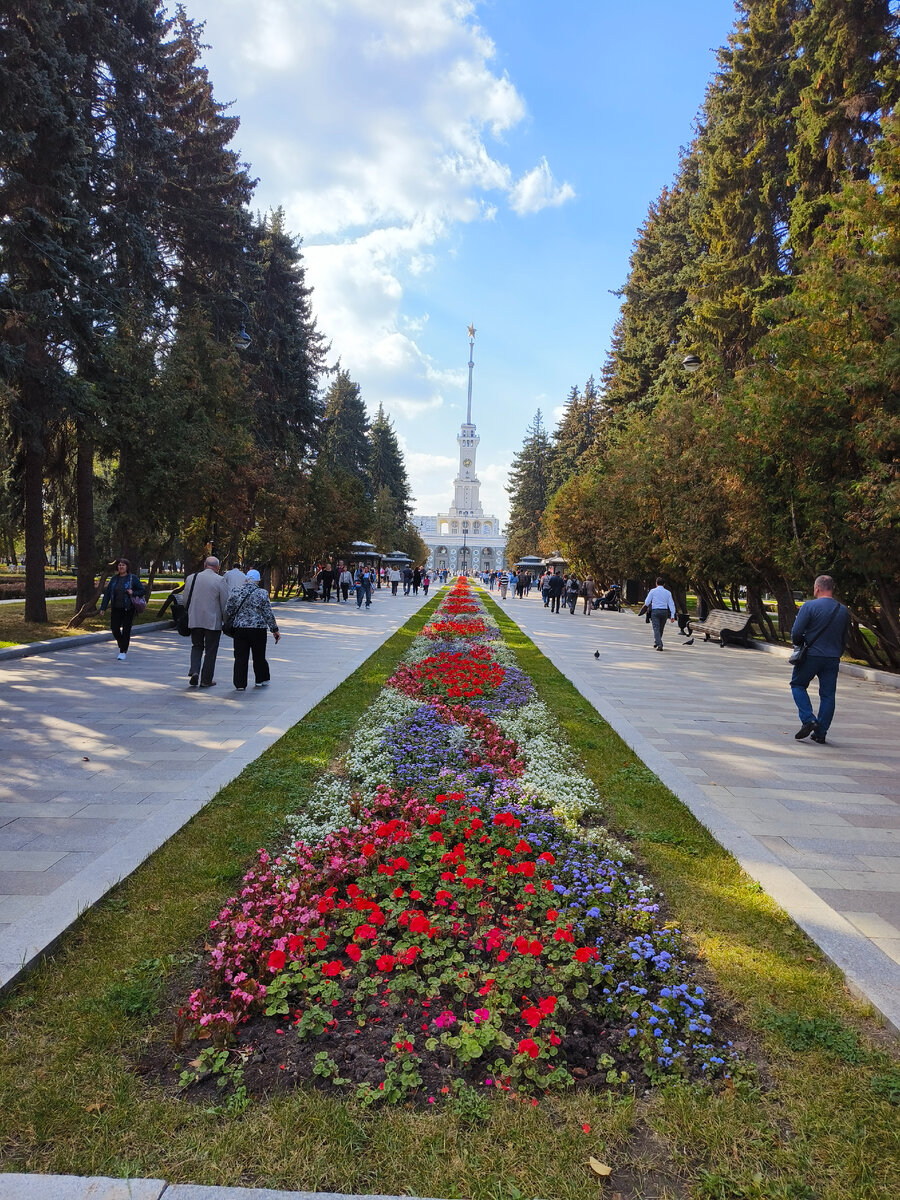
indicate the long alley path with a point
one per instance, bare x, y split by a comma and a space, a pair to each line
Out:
817, 826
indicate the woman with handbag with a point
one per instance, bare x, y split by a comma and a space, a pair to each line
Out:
124, 596
248, 617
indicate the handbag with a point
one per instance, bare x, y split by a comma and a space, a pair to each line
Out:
138, 603
182, 620
228, 623
800, 653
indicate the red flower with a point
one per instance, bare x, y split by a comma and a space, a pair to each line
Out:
547, 1005
584, 954
385, 962
535, 948
437, 836
531, 1016
522, 944
368, 849
546, 857
277, 959
332, 968
353, 952
322, 941
419, 924
295, 943
529, 1047
398, 893
552, 914
555, 1040
522, 847
362, 932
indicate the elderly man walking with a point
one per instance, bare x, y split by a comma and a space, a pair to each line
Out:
821, 626
206, 595
661, 606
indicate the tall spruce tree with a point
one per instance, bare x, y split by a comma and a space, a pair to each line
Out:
529, 491
388, 481
578, 432
745, 179
644, 360
850, 75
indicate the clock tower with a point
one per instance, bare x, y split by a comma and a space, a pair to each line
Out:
464, 539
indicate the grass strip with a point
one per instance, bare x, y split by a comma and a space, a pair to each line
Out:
16, 631
819, 1125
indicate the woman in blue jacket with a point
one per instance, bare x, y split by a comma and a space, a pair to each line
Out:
118, 597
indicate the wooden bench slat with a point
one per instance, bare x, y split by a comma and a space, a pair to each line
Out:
726, 624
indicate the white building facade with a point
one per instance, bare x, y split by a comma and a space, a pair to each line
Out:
465, 538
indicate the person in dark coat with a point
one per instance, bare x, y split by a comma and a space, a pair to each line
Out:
120, 590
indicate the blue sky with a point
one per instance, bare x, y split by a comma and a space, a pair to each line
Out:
448, 161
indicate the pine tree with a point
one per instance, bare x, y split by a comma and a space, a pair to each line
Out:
850, 75
44, 245
387, 471
745, 179
529, 491
345, 428
645, 358
576, 436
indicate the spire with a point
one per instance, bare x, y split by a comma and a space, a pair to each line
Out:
471, 368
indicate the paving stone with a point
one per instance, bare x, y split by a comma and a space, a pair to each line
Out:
158, 751
818, 826
76, 1187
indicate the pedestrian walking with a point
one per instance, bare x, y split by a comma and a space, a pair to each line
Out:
345, 582
513, 585
587, 591
207, 595
555, 587
504, 584
326, 578
416, 581
119, 598
660, 605
394, 578
250, 612
572, 590
426, 583
234, 577
363, 584
820, 628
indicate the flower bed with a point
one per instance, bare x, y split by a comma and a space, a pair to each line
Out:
449, 912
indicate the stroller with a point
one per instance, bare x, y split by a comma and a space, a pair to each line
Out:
611, 600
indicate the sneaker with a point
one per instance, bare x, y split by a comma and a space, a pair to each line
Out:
818, 736
265, 683
240, 689
805, 730
120, 656
193, 680
212, 684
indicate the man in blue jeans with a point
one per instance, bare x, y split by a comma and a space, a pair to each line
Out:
822, 624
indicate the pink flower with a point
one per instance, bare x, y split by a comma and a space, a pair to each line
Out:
481, 1014
445, 1019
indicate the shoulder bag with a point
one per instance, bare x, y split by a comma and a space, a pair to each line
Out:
182, 621
228, 623
802, 650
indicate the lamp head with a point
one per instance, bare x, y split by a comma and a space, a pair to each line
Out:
241, 339
691, 363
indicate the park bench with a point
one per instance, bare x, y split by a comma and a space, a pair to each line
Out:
725, 624
310, 588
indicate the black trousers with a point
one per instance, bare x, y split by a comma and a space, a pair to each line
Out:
120, 623
247, 642
554, 601
204, 648
326, 592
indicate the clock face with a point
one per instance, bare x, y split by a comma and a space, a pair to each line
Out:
467, 462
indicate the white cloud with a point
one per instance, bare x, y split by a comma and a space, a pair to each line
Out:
376, 123
538, 189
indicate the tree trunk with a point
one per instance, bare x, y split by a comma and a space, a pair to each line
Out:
87, 536
758, 609
787, 607
35, 581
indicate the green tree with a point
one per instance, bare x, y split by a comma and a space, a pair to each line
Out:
578, 432
529, 491
388, 481
849, 77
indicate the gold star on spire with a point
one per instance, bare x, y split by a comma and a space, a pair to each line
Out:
472, 332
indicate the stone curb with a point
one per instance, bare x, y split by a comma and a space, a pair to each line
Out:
80, 639
98, 1187
883, 678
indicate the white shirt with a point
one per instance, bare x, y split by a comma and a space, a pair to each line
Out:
235, 578
660, 597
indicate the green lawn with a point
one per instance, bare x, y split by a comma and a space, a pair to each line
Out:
813, 1118
16, 631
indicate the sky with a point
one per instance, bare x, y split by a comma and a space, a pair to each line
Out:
449, 162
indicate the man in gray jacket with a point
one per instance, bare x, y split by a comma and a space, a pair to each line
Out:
206, 595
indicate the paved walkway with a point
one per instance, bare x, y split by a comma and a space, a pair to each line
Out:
103, 761
817, 826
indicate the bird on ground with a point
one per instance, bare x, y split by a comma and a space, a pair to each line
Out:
689, 642
596, 654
